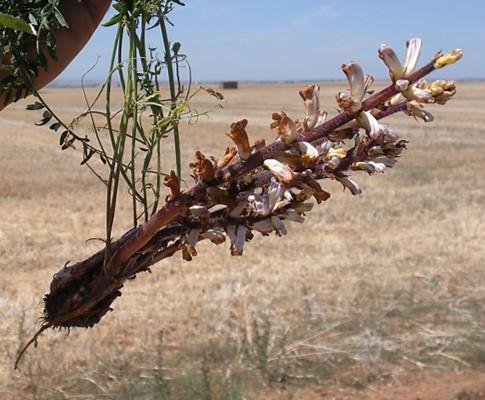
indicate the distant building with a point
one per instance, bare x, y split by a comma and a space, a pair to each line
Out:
229, 85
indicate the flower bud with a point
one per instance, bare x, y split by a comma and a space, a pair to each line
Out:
442, 60
442, 90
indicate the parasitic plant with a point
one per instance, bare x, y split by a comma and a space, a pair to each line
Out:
251, 188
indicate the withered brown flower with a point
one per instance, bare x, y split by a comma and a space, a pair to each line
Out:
203, 168
172, 182
285, 127
240, 138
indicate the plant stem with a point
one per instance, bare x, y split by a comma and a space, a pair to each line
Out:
173, 96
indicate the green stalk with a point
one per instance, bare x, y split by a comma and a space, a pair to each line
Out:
120, 143
173, 97
134, 129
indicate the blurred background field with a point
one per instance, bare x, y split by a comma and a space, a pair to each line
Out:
376, 296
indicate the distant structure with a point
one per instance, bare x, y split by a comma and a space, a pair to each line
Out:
229, 85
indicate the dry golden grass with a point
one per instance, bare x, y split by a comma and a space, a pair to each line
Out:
370, 296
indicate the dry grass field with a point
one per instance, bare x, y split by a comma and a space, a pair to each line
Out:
379, 296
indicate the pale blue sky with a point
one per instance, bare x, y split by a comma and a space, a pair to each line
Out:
308, 39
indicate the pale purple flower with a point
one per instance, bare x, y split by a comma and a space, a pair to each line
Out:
278, 225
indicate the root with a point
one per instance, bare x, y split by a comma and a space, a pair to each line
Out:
30, 342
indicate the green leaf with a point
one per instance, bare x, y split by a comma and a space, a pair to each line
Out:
46, 117
176, 47
63, 137
55, 126
113, 21
61, 20
15, 23
35, 106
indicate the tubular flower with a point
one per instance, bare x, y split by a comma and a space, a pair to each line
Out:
309, 183
415, 109
237, 235
309, 154
216, 235
311, 98
390, 58
334, 157
278, 225
396, 69
259, 144
203, 167
193, 237
282, 172
274, 193
355, 76
303, 207
348, 183
421, 95
240, 138
358, 85
285, 127
442, 60
264, 226
369, 166
188, 252
201, 212
413, 50
259, 203
172, 182
367, 121
293, 215
226, 158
